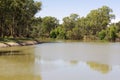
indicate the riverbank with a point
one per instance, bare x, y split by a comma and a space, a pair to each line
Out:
10, 42
26, 42
23, 43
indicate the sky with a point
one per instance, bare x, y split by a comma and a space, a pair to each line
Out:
63, 8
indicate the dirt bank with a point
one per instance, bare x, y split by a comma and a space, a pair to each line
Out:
25, 43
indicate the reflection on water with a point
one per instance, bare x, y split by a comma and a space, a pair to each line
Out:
79, 61
74, 62
103, 68
61, 61
65, 70
20, 77
17, 63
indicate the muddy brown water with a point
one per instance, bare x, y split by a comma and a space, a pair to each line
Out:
61, 61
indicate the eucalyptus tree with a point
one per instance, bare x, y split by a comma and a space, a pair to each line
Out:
99, 19
111, 33
48, 23
83, 24
70, 21
3, 15
118, 29
36, 27
28, 10
32, 9
15, 16
118, 26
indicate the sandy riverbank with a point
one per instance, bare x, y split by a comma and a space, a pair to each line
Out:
10, 44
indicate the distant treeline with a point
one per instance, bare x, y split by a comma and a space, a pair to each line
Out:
17, 20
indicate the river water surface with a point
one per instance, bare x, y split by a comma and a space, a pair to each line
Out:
61, 61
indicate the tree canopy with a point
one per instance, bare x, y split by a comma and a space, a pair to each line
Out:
16, 15
17, 19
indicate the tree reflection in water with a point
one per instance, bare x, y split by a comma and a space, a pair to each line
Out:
103, 68
17, 63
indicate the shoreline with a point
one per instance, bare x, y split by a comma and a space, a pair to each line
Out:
34, 42
12, 44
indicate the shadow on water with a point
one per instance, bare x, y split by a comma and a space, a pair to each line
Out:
17, 63
10, 53
17, 51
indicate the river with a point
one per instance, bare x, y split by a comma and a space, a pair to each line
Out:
61, 61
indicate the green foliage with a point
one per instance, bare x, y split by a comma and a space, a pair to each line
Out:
15, 17
118, 35
48, 23
118, 26
69, 34
53, 34
36, 27
75, 34
70, 21
17, 21
99, 19
58, 33
91, 27
61, 34
102, 34
111, 33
